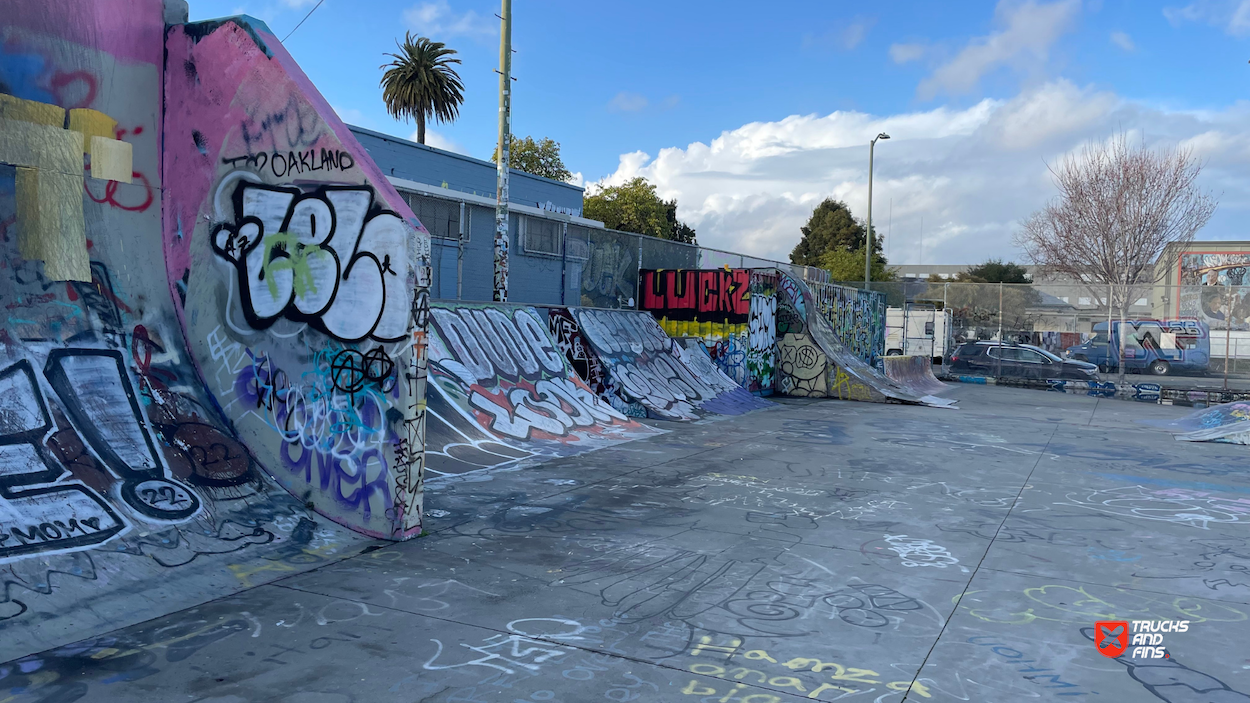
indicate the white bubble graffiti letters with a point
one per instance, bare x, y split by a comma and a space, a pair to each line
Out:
920, 552
487, 346
328, 258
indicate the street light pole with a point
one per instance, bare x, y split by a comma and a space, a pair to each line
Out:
868, 236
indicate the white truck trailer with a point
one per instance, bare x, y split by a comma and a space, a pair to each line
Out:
918, 331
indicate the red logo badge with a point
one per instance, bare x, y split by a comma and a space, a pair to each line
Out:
1111, 636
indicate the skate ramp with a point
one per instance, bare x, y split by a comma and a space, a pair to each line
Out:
1227, 423
644, 366
914, 373
730, 311
813, 363
501, 391
141, 474
300, 275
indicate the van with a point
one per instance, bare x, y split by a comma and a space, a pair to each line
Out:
1158, 346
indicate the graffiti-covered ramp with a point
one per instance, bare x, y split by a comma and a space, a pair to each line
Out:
914, 373
646, 369
812, 362
500, 391
128, 488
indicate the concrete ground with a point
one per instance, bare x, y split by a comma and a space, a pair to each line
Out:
819, 550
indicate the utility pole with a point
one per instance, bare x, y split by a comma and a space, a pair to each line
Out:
505, 143
1228, 328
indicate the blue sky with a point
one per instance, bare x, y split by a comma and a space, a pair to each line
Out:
750, 113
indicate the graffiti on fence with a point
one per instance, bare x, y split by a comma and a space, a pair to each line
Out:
604, 269
857, 316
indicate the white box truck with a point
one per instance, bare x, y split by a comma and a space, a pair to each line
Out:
917, 331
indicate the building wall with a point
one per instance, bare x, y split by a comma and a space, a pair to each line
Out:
423, 164
1208, 281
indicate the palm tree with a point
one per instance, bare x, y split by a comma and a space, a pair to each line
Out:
420, 82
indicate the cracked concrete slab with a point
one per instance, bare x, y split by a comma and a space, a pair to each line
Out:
820, 550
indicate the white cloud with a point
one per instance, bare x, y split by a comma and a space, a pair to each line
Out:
845, 38
902, 53
437, 20
353, 116
439, 141
627, 102
1027, 31
1232, 15
854, 33
972, 173
1052, 110
1123, 41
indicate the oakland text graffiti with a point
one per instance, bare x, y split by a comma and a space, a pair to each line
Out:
293, 162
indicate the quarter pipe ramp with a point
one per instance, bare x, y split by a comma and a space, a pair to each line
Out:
914, 373
501, 391
813, 362
645, 366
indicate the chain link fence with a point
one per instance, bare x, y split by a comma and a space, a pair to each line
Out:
1189, 335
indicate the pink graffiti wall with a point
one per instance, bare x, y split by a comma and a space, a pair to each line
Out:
300, 275
136, 478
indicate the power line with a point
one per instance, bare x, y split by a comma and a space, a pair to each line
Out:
301, 22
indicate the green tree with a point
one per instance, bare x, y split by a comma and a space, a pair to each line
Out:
832, 226
540, 158
420, 83
975, 297
844, 265
635, 207
995, 271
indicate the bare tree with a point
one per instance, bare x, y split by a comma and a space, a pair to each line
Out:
1119, 208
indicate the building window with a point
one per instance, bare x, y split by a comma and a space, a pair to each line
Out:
1064, 299
1083, 301
576, 243
1142, 301
541, 236
440, 217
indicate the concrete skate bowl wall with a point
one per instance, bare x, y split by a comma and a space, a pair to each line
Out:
731, 312
644, 366
857, 317
813, 363
502, 392
123, 493
302, 277
914, 373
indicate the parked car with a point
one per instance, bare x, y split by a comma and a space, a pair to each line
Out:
1018, 361
1158, 346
